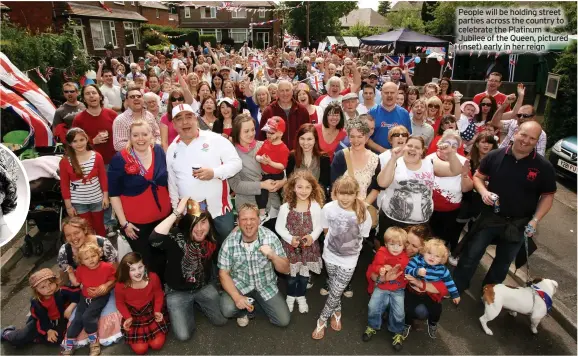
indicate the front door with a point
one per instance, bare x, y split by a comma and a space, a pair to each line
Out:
263, 37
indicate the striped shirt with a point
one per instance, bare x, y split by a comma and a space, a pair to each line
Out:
433, 274
88, 192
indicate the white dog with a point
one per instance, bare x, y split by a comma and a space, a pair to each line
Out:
535, 301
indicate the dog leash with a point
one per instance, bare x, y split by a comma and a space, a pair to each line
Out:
529, 230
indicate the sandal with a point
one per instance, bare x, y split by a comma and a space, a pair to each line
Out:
319, 331
336, 322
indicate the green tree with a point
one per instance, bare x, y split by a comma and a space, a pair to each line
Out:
358, 30
323, 18
406, 18
560, 113
384, 7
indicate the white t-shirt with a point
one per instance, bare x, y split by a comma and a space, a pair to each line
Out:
384, 157
344, 238
112, 96
447, 190
408, 198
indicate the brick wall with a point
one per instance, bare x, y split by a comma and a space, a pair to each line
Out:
37, 20
151, 15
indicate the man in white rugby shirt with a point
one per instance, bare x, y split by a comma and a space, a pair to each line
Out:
199, 164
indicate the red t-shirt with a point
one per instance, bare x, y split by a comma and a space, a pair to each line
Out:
499, 97
92, 125
384, 257
133, 206
138, 298
329, 147
433, 147
51, 308
89, 278
278, 153
313, 117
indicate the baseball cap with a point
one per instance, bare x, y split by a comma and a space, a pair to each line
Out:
37, 277
349, 96
140, 59
372, 75
225, 68
274, 124
181, 108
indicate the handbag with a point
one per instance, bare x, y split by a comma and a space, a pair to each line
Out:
123, 247
370, 208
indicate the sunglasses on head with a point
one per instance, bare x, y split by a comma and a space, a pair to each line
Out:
402, 134
69, 91
180, 98
525, 116
486, 104
433, 106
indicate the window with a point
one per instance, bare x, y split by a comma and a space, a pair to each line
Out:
187, 12
79, 32
239, 35
103, 32
261, 12
208, 13
172, 10
131, 34
133, 3
215, 32
158, 14
241, 14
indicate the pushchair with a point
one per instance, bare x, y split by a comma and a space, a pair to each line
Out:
46, 210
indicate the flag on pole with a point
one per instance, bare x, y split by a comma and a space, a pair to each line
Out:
103, 5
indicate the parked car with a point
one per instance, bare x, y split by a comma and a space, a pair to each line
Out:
563, 157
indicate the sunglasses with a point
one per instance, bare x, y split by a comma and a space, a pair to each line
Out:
69, 91
182, 69
433, 106
403, 134
486, 104
525, 116
135, 96
177, 99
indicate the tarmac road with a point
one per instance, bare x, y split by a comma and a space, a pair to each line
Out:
460, 332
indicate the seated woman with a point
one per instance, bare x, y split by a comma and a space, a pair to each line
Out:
190, 273
78, 232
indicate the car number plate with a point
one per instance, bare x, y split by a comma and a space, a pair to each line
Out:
567, 166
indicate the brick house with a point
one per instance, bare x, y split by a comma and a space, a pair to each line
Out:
222, 23
159, 14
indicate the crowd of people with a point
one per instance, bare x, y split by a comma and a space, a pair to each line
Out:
223, 170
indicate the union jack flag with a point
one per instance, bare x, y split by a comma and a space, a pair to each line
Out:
400, 61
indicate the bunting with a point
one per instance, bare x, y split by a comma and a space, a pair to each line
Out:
263, 23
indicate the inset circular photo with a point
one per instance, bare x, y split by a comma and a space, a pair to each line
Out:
14, 195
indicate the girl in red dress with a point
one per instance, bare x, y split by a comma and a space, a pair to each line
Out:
140, 298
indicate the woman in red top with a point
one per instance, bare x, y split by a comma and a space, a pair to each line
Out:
447, 122
140, 298
96, 121
303, 97
434, 112
138, 181
83, 180
226, 112
331, 130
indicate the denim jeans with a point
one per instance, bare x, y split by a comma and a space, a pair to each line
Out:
474, 251
275, 308
224, 224
181, 309
380, 299
93, 214
297, 286
29, 334
86, 317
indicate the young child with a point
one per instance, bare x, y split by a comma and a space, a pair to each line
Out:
83, 180
466, 124
429, 266
299, 225
493, 131
140, 298
273, 156
383, 292
50, 309
97, 278
345, 222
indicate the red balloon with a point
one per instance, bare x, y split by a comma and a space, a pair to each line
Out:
442, 62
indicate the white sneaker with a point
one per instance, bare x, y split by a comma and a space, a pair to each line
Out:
290, 303
243, 321
302, 303
454, 260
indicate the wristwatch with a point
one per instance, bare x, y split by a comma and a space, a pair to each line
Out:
176, 212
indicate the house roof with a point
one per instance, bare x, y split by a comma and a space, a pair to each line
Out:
80, 9
407, 5
235, 4
153, 5
367, 17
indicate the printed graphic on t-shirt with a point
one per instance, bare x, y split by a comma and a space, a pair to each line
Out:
343, 237
411, 202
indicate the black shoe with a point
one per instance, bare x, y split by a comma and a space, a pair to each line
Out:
397, 342
6, 330
432, 330
369, 332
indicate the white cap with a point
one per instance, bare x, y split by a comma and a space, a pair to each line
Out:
182, 108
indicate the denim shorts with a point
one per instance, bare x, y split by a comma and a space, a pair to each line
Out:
85, 208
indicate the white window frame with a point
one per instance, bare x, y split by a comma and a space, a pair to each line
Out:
158, 13
80, 28
238, 31
134, 27
262, 13
119, 2
240, 14
133, 3
213, 13
112, 29
217, 32
187, 12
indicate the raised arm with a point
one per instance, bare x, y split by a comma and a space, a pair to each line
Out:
385, 177
185, 88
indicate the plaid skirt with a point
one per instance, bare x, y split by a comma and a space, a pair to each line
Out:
144, 327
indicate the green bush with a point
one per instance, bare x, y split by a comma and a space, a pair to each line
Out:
186, 35
560, 114
160, 47
209, 38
